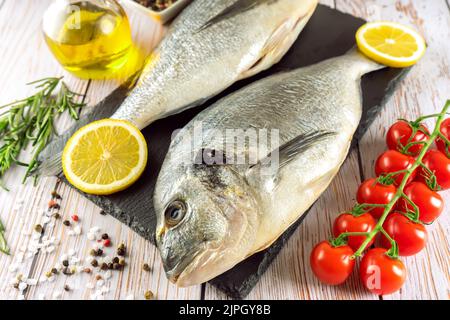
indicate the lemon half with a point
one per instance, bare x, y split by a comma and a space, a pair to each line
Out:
105, 157
391, 44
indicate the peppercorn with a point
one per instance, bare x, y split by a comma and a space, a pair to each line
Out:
54, 271
66, 223
110, 266
56, 195
122, 262
104, 266
38, 228
66, 288
148, 295
49, 274
103, 213
16, 285
94, 263
115, 260
117, 266
99, 252
121, 250
56, 215
105, 236
87, 270
67, 271
65, 263
146, 267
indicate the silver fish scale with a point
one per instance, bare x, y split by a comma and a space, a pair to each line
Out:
194, 64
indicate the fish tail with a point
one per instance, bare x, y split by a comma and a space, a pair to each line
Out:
360, 63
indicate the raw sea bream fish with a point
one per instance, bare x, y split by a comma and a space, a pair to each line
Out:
210, 46
212, 214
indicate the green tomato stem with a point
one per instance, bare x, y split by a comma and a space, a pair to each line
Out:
399, 194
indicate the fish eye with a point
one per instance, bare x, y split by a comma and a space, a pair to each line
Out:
175, 212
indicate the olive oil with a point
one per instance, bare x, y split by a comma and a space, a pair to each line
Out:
91, 39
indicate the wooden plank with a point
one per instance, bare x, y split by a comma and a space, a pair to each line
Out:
423, 92
133, 281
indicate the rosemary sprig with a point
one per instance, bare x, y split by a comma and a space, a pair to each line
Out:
31, 122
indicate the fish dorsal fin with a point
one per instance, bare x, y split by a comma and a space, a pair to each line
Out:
238, 7
286, 154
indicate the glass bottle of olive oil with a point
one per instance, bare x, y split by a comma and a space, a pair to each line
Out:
91, 39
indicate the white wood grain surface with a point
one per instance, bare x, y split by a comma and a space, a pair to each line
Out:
24, 57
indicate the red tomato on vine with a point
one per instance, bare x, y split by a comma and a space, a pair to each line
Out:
393, 161
411, 237
380, 273
332, 265
429, 203
438, 164
347, 222
373, 192
399, 135
445, 131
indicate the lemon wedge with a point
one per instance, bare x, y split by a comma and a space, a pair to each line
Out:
105, 157
390, 43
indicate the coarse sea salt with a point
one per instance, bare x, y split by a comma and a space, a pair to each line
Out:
91, 236
94, 229
77, 230
32, 282
23, 286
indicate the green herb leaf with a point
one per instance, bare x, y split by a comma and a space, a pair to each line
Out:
30, 121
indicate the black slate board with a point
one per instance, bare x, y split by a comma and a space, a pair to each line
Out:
329, 33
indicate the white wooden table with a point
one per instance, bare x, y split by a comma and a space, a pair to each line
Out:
24, 57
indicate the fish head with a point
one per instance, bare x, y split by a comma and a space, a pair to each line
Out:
207, 222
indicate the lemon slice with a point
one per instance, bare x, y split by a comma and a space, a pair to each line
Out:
105, 157
390, 43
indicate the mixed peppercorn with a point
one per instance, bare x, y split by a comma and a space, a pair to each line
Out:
156, 5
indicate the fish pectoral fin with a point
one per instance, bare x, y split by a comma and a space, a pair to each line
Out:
290, 150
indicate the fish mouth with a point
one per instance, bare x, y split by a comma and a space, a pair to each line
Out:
177, 271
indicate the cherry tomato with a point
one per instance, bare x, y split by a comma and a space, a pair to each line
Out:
439, 164
347, 222
430, 203
411, 237
332, 265
445, 130
380, 273
393, 161
373, 192
399, 134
